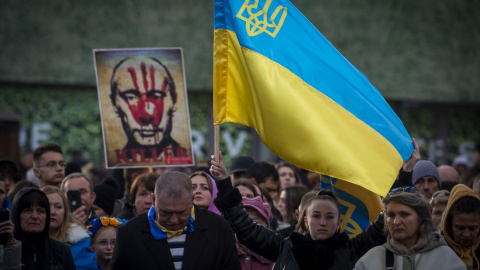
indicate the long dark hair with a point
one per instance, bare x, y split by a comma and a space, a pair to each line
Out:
294, 195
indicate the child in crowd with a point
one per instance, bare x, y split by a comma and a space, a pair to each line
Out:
103, 233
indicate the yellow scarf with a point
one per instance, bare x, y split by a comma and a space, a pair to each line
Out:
171, 234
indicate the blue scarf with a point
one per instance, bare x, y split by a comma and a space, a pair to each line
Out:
162, 233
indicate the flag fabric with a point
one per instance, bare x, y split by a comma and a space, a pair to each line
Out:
358, 206
275, 72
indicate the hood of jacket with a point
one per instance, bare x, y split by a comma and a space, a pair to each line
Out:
434, 240
212, 207
19, 200
75, 233
466, 254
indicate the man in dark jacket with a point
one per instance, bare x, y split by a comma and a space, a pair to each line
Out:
31, 218
174, 234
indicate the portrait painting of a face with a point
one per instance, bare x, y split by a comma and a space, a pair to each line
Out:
144, 107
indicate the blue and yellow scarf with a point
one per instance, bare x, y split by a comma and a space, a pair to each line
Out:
160, 232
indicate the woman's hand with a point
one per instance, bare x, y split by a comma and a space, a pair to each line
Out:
218, 169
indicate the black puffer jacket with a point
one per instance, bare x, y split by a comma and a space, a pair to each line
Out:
298, 251
39, 251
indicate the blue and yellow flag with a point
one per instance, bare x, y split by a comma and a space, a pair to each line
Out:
275, 72
359, 207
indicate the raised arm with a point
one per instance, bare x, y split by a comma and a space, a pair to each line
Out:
405, 174
229, 201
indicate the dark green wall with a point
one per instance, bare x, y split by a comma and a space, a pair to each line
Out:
423, 56
74, 117
409, 49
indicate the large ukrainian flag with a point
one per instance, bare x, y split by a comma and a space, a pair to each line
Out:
275, 72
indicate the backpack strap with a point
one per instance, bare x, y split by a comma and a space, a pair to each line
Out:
389, 260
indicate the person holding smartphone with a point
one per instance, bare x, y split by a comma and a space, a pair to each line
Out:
80, 182
10, 248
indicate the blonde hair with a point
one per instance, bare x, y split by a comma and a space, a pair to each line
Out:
60, 233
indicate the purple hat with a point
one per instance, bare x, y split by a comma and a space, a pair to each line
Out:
261, 207
425, 168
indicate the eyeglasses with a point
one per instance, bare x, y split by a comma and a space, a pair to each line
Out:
403, 189
105, 243
53, 165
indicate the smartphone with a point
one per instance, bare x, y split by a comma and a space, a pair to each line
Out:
4, 216
74, 199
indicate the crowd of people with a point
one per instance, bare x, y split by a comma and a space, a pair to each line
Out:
253, 215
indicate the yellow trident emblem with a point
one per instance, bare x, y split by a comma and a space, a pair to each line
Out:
347, 220
348, 224
257, 23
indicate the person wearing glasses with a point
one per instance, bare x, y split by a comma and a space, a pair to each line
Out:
31, 219
103, 233
66, 229
411, 241
48, 165
461, 225
266, 176
323, 246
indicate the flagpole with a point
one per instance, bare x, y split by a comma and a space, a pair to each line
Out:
217, 141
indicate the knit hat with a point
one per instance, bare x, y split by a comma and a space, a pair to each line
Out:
261, 207
425, 168
241, 164
461, 160
105, 197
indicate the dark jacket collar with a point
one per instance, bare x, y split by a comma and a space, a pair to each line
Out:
304, 247
194, 241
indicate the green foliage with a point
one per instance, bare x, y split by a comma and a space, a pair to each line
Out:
74, 116
75, 121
